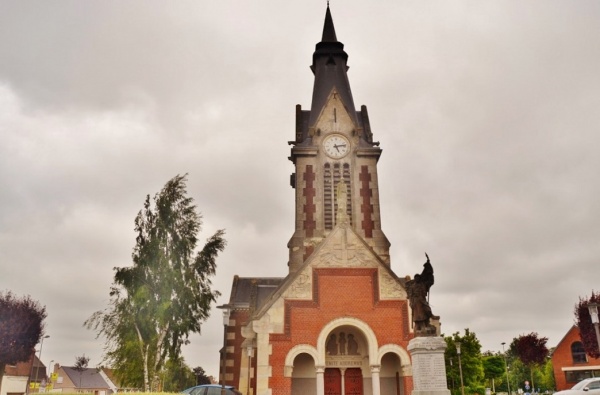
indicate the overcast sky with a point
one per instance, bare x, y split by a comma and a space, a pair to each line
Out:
488, 114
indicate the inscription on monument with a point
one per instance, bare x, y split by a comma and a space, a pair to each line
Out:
429, 372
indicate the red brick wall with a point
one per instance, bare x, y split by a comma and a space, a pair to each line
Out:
310, 208
366, 207
562, 357
240, 317
338, 293
21, 369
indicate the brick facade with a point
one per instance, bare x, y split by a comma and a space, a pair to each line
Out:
340, 316
570, 366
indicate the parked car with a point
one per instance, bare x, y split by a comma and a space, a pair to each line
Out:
211, 389
584, 387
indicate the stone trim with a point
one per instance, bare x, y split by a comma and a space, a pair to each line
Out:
394, 349
293, 353
349, 321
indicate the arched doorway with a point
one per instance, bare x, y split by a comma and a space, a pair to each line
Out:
303, 375
344, 381
389, 376
346, 358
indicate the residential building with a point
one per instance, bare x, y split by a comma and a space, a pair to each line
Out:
571, 363
17, 377
89, 380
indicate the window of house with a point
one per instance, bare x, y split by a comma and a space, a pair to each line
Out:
575, 376
578, 353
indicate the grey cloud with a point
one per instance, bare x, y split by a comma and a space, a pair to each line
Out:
487, 115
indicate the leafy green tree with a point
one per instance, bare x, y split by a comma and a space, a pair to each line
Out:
21, 328
470, 360
166, 295
493, 368
545, 377
201, 377
518, 373
531, 350
177, 376
586, 328
81, 364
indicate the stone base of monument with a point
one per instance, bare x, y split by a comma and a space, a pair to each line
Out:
428, 367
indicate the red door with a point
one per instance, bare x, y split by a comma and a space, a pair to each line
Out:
353, 381
333, 381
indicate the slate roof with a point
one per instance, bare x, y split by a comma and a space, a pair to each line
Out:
252, 292
87, 378
330, 70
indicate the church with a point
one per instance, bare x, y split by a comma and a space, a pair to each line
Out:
339, 322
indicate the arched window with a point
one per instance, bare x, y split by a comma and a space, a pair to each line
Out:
578, 353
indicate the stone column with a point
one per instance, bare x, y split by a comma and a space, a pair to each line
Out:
262, 372
320, 380
428, 366
375, 369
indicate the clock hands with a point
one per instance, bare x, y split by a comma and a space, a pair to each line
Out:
337, 147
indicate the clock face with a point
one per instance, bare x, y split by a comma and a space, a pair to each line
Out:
336, 146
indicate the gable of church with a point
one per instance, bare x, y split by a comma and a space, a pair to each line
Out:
344, 265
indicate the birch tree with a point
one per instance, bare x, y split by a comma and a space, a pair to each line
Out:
167, 293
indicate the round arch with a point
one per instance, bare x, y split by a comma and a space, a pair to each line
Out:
395, 349
361, 325
294, 352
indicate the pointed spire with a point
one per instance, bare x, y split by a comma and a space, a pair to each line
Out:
329, 67
328, 29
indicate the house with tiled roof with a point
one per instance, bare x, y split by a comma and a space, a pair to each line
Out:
16, 377
91, 380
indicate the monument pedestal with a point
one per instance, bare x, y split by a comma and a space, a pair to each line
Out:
428, 366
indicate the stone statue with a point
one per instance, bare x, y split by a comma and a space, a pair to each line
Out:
332, 346
352, 345
342, 201
342, 343
418, 296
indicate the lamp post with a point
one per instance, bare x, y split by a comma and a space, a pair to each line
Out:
506, 368
226, 313
452, 376
37, 368
51, 367
593, 308
462, 384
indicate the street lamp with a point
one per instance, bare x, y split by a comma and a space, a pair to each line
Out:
506, 368
226, 313
37, 368
48, 376
593, 308
462, 384
452, 375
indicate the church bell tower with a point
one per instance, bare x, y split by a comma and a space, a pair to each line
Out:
335, 160
339, 322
